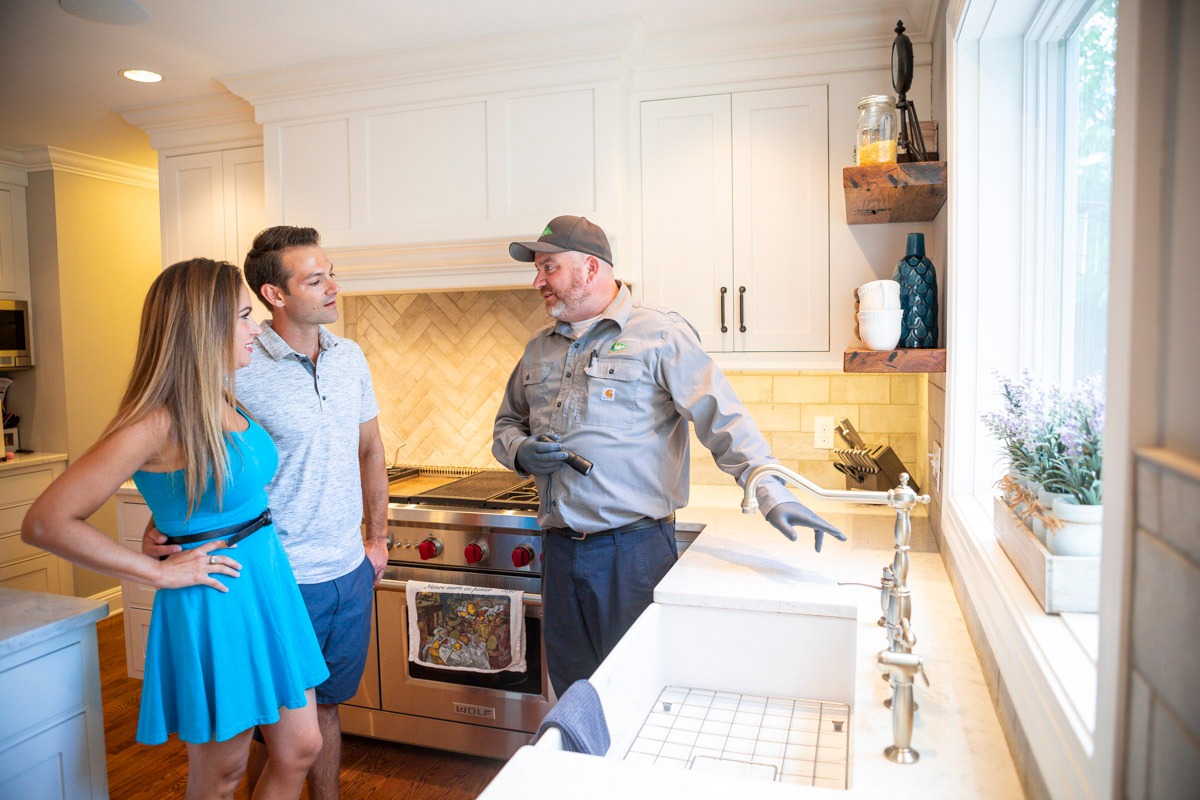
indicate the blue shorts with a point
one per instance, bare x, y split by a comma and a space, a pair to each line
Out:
340, 610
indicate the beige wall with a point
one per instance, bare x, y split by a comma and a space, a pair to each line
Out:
440, 362
94, 250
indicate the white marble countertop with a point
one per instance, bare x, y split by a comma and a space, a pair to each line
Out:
27, 618
31, 460
740, 561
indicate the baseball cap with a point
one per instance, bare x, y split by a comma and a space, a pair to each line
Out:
562, 234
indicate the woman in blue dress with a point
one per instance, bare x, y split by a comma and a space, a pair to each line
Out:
230, 645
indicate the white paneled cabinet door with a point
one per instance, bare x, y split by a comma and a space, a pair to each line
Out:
192, 206
781, 219
8, 256
735, 217
212, 204
244, 203
687, 213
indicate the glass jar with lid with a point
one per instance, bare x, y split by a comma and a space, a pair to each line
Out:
877, 127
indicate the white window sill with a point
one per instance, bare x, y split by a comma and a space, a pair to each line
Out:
1047, 663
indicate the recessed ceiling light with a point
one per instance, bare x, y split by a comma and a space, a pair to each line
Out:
114, 12
141, 75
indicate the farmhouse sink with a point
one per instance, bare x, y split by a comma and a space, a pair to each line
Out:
749, 693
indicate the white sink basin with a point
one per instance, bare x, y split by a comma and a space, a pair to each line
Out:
730, 652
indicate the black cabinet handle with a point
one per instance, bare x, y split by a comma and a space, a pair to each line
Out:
723, 328
742, 307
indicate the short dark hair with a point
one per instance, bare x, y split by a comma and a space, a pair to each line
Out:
263, 264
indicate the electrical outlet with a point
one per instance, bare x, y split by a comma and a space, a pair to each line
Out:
823, 435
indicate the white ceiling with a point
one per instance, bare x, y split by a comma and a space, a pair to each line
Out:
60, 82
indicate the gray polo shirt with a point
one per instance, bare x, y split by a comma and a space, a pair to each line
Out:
622, 395
313, 413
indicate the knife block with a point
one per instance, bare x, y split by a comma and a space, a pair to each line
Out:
887, 476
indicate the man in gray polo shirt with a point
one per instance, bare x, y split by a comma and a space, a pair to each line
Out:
312, 392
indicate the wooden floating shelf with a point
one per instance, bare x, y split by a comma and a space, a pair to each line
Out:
925, 359
912, 192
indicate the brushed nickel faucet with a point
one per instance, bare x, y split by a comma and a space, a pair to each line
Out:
898, 662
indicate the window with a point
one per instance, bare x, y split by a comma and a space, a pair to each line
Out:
1089, 84
1030, 117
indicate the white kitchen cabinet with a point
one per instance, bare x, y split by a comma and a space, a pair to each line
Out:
23, 566
490, 166
132, 516
735, 217
211, 203
14, 243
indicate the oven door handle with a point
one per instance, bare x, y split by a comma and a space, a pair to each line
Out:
394, 585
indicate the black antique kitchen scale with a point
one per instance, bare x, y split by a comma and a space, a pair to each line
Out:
910, 141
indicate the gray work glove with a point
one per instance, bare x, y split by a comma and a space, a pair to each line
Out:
540, 457
789, 514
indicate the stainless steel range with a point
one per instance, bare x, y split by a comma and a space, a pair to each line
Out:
470, 528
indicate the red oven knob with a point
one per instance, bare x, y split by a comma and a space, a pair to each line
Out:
430, 548
522, 556
475, 552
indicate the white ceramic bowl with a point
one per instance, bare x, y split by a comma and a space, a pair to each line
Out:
880, 330
879, 296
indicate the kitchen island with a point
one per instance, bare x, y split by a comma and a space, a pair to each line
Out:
740, 562
52, 728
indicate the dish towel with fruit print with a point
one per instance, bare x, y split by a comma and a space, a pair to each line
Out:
465, 628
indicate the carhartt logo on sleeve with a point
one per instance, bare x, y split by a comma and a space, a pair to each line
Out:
618, 347
609, 395
547, 232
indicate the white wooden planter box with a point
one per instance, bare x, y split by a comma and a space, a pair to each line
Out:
1060, 583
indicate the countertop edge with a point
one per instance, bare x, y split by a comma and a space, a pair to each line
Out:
27, 618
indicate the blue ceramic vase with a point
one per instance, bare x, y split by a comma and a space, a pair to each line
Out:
918, 296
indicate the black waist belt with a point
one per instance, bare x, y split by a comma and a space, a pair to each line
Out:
636, 525
232, 535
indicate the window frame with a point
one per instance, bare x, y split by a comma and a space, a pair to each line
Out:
1005, 64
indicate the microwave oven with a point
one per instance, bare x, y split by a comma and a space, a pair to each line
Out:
15, 343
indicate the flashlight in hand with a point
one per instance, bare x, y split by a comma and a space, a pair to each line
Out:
574, 460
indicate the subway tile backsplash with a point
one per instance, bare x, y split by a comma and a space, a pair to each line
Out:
440, 361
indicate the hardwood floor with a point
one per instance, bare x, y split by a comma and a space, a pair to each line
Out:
370, 768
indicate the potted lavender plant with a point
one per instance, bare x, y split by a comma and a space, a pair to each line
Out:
1009, 426
1076, 524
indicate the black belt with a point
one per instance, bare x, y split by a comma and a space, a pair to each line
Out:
232, 535
630, 527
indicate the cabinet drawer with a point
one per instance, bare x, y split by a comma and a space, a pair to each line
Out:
40, 574
137, 594
25, 487
43, 687
11, 547
131, 521
137, 633
54, 763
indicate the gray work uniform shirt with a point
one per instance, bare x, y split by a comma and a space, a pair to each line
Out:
313, 412
621, 396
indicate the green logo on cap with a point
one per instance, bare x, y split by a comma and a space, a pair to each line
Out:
547, 232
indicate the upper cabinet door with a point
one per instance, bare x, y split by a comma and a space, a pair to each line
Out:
245, 207
781, 219
687, 213
735, 217
192, 206
8, 256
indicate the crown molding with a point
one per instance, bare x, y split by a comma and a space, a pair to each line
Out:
12, 167
220, 118
600, 52
43, 159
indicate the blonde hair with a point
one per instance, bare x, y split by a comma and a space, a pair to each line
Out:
185, 363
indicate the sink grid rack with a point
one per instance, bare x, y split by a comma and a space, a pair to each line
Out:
769, 738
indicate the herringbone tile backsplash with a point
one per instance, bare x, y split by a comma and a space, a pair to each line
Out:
439, 362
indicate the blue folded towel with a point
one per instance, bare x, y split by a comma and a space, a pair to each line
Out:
580, 717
